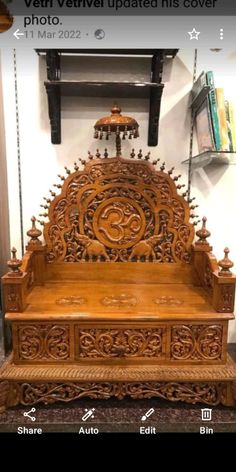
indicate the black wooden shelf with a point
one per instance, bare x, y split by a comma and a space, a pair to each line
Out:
216, 158
56, 88
168, 53
84, 88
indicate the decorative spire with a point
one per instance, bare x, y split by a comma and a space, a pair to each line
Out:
14, 264
34, 233
203, 233
225, 265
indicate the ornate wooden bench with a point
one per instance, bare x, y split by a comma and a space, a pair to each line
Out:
118, 301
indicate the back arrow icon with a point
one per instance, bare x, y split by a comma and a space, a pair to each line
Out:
17, 34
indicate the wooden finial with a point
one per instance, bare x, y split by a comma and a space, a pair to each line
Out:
171, 170
154, 163
225, 265
177, 177
90, 156
42, 223
140, 154
132, 155
34, 233
203, 233
105, 153
98, 155
147, 157
67, 170
162, 168
14, 264
44, 206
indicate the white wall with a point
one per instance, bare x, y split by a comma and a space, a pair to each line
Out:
214, 188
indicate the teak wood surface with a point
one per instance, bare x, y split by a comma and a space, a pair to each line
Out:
119, 300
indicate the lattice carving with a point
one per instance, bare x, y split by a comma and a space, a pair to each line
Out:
43, 342
197, 342
118, 210
106, 343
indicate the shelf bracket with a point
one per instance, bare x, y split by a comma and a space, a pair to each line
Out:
155, 98
53, 61
54, 112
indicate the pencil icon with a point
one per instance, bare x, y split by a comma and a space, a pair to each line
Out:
147, 414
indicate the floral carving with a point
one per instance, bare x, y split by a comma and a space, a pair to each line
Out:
43, 342
48, 393
102, 343
197, 342
73, 300
168, 300
226, 301
12, 298
119, 300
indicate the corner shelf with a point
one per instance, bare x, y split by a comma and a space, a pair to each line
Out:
217, 158
152, 90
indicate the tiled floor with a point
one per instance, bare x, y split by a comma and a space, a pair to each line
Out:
120, 416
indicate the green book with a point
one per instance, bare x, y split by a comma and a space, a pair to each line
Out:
213, 110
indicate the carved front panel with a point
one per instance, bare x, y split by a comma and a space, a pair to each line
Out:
42, 342
197, 342
117, 210
107, 343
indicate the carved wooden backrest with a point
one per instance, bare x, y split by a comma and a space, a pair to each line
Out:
118, 209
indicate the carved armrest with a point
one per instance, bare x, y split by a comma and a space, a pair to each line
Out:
18, 282
218, 283
25, 273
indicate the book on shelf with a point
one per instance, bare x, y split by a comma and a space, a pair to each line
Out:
204, 129
213, 110
220, 97
229, 131
215, 116
232, 119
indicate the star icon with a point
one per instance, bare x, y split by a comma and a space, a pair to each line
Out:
194, 34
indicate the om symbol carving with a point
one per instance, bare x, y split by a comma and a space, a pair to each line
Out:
119, 222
